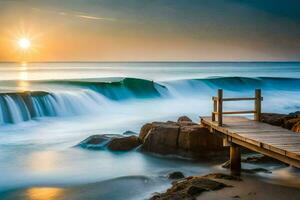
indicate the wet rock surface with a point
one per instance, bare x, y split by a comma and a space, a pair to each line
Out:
129, 133
290, 121
257, 160
175, 175
96, 142
124, 143
183, 137
260, 159
191, 187
110, 142
223, 176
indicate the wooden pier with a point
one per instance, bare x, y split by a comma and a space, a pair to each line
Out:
272, 141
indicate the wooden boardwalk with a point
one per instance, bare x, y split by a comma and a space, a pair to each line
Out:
272, 141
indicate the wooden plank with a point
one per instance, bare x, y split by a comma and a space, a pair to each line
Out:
270, 133
290, 159
285, 143
256, 131
240, 99
269, 140
235, 112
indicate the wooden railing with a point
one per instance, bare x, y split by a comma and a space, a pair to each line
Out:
218, 106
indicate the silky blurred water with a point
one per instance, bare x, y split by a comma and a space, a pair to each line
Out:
39, 150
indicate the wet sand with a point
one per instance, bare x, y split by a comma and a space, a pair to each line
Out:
251, 188
129, 187
141, 187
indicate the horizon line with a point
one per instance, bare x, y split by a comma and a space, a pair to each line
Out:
164, 61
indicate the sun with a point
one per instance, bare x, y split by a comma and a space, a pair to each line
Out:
24, 43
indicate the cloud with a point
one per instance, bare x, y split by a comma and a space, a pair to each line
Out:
95, 18
74, 14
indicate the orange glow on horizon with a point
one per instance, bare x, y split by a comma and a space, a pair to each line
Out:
45, 193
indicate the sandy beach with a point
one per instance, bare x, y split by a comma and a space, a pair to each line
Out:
250, 188
139, 187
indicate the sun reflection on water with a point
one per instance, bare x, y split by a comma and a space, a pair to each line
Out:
43, 161
45, 193
23, 83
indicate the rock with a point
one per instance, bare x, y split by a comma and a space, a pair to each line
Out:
226, 165
222, 176
195, 190
296, 127
260, 159
161, 138
124, 143
129, 133
183, 119
155, 196
185, 139
189, 188
112, 142
290, 123
95, 142
175, 175
144, 131
294, 114
273, 118
256, 170
198, 140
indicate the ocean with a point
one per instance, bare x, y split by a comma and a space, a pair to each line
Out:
68, 102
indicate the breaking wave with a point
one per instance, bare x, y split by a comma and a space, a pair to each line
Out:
90, 95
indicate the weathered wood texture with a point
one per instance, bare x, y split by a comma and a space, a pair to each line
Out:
235, 159
218, 106
273, 141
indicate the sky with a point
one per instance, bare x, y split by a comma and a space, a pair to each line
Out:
150, 30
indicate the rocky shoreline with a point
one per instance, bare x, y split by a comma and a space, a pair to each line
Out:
189, 140
289, 121
184, 138
190, 187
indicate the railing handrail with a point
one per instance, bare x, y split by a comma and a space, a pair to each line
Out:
237, 99
218, 106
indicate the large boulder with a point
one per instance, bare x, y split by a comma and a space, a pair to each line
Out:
95, 142
110, 142
145, 130
124, 143
195, 139
182, 138
161, 138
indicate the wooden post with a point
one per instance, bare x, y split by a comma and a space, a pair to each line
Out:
220, 107
213, 116
235, 159
257, 105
